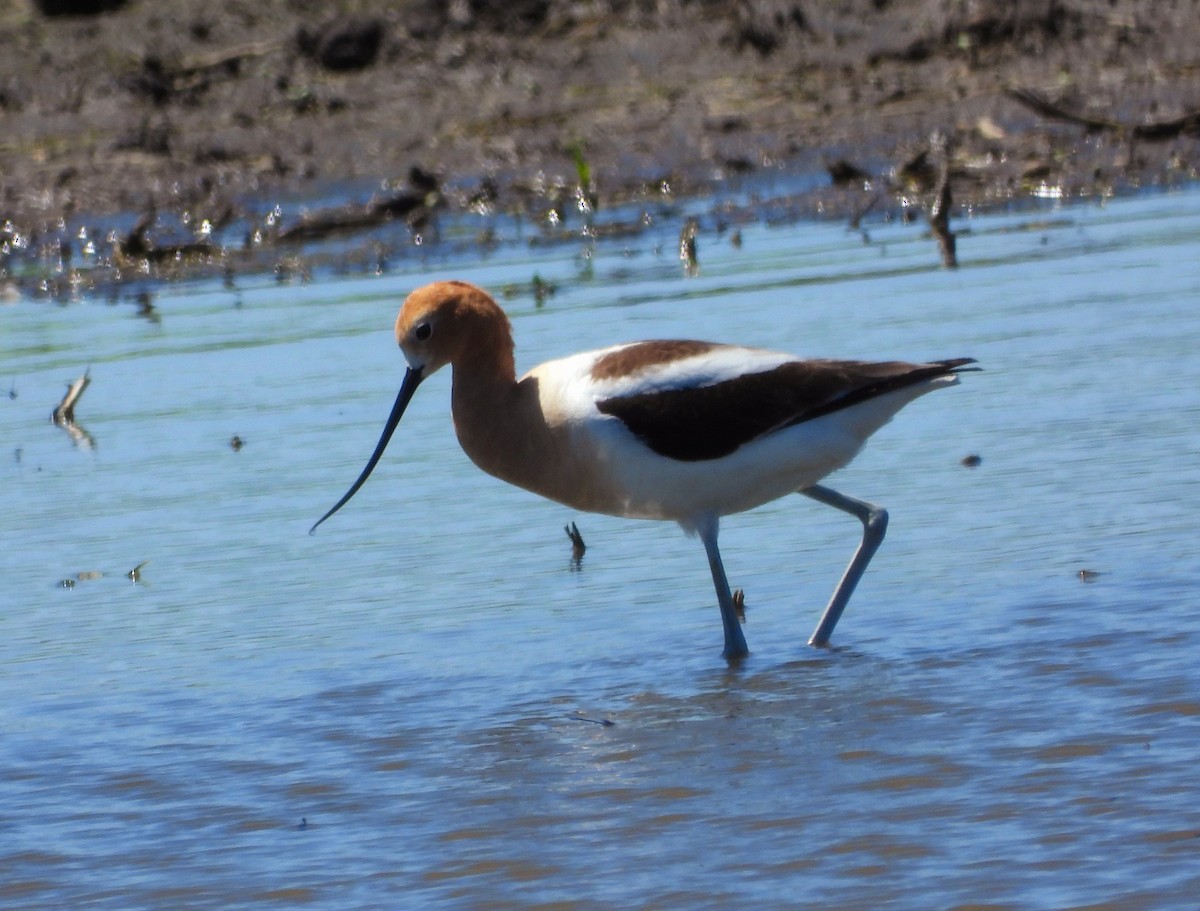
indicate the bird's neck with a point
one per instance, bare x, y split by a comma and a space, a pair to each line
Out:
485, 405
501, 428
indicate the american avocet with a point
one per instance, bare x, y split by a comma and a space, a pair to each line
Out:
680, 430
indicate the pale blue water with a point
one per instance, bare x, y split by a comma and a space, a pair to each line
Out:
990, 730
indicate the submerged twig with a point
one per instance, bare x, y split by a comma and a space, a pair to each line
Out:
603, 722
64, 414
863, 210
542, 289
1187, 125
687, 246
928, 174
938, 213
578, 548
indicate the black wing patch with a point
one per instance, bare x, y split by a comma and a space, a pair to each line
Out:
708, 422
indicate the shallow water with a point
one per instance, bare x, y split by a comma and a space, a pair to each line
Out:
405, 709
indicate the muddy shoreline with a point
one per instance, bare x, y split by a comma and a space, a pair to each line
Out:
159, 140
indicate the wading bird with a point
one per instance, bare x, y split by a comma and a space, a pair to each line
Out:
681, 430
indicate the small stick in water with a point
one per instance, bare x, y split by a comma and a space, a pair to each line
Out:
65, 412
938, 209
687, 247
578, 548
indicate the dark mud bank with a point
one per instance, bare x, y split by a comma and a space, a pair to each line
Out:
146, 140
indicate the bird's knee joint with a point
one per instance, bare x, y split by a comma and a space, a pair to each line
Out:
877, 520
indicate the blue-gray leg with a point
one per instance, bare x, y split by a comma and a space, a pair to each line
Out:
874, 519
735, 642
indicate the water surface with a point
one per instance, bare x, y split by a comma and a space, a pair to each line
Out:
402, 711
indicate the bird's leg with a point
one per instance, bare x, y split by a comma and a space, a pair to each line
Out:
874, 519
735, 642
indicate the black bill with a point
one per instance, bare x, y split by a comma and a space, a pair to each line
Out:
412, 379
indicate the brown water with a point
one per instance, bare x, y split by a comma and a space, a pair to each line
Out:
406, 709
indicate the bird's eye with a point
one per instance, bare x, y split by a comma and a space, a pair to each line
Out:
422, 332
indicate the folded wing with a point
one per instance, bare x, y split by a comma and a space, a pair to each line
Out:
708, 420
